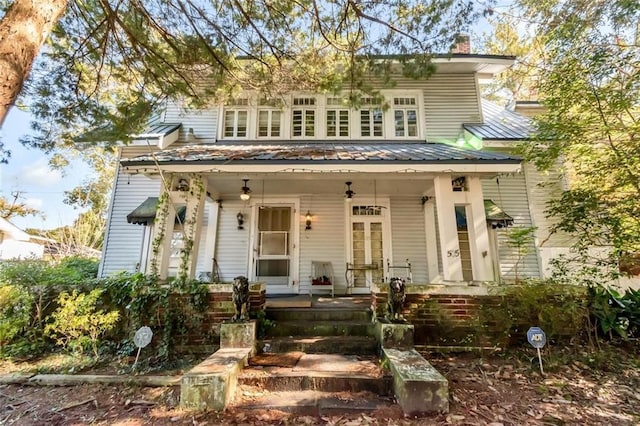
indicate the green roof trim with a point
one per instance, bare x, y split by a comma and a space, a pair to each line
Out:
496, 217
145, 213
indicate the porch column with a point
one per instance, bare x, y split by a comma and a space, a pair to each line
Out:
193, 221
432, 244
162, 232
478, 232
447, 227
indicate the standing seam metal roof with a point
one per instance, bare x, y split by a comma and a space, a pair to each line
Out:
501, 124
326, 152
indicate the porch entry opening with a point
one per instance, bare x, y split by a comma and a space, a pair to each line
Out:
367, 246
463, 242
273, 260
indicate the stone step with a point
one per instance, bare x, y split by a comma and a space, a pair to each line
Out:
319, 372
314, 403
321, 328
347, 345
318, 314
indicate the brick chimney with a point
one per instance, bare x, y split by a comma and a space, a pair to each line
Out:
463, 45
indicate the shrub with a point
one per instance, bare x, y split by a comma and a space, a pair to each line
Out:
78, 324
560, 310
15, 313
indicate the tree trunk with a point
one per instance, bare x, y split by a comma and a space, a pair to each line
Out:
23, 30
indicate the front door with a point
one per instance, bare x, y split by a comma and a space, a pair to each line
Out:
369, 238
274, 247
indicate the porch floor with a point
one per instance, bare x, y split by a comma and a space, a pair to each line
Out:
318, 301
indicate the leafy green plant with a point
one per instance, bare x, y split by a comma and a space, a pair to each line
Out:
560, 310
15, 313
521, 239
615, 313
78, 324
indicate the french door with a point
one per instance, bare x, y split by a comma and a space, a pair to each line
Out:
369, 242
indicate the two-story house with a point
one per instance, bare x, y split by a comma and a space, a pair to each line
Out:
417, 181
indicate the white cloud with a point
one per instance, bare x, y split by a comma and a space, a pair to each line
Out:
34, 203
39, 174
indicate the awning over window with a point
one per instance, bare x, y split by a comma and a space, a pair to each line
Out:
496, 217
145, 213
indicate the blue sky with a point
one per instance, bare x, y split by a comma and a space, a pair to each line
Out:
28, 172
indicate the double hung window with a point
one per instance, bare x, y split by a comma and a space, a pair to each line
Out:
405, 116
371, 117
337, 118
236, 118
269, 119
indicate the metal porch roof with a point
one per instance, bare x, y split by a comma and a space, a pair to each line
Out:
501, 124
286, 152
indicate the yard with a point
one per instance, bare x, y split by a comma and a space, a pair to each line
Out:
578, 388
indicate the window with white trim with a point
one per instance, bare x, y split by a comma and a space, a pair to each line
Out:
337, 124
303, 117
236, 118
405, 117
269, 119
371, 117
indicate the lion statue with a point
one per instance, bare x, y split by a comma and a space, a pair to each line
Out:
396, 298
240, 298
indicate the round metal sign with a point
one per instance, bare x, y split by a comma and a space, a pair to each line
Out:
143, 337
536, 337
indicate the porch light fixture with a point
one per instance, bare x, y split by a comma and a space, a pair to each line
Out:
349, 193
244, 195
240, 219
308, 218
183, 185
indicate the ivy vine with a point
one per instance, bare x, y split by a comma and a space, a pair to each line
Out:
162, 213
196, 189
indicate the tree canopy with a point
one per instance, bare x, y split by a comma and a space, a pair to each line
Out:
590, 87
108, 64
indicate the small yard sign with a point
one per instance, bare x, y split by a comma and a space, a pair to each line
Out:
537, 339
141, 339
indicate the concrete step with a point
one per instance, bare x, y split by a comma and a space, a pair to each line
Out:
347, 345
318, 314
321, 372
314, 403
321, 328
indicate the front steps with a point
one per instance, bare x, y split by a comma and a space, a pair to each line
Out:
339, 372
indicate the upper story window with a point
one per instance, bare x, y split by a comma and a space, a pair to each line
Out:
269, 118
405, 116
303, 117
371, 117
393, 114
236, 118
337, 114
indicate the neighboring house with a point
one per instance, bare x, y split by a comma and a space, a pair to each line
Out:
17, 244
423, 174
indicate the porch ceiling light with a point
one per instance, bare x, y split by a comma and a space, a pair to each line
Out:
349, 193
244, 195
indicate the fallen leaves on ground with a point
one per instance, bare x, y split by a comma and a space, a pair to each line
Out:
483, 391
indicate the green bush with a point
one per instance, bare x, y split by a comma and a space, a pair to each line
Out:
613, 313
78, 324
560, 310
15, 313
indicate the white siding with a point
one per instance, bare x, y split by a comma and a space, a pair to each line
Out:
203, 122
232, 247
543, 187
123, 240
325, 240
408, 237
511, 196
450, 100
